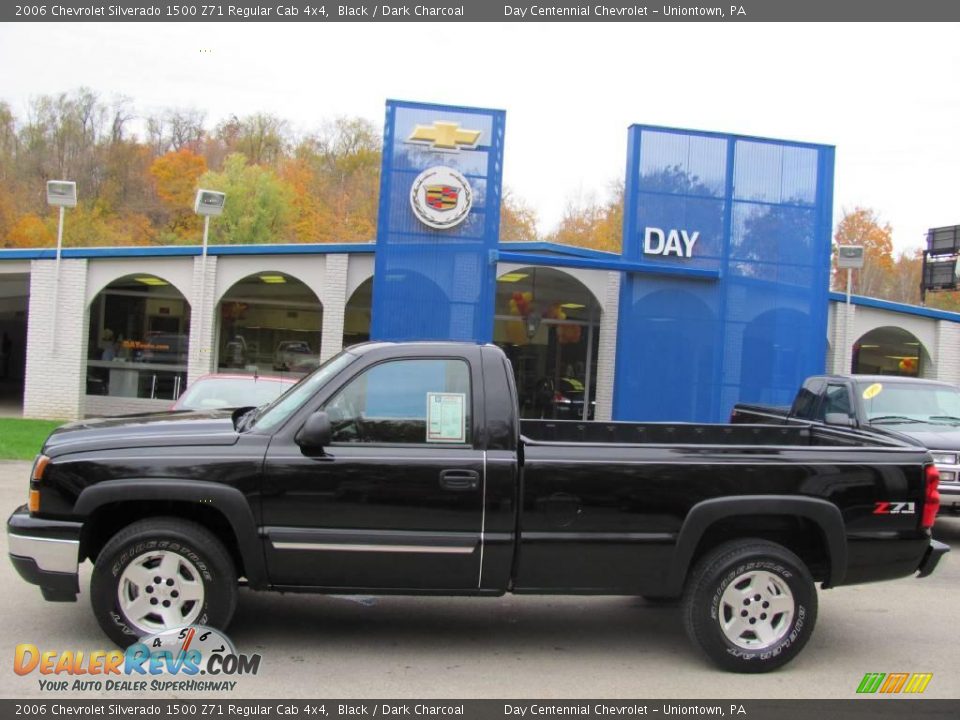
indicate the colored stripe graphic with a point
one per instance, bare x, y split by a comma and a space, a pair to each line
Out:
894, 682
918, 682
871, 682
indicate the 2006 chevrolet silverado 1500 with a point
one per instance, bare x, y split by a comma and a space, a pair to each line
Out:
403, 468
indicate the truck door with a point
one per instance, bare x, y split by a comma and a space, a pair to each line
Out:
395, 501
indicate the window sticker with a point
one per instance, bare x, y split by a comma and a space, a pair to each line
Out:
446, 420
871, 392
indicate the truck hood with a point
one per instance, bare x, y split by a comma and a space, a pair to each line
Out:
167, 429
933, 436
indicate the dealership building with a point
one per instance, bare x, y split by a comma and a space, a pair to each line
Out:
719, 295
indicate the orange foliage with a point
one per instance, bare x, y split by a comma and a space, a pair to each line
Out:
176, 174
30, 231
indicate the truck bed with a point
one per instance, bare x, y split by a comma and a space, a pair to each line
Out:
536, 432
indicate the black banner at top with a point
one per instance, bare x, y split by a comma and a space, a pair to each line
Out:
319, 11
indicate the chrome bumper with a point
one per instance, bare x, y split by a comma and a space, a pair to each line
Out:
50, 554
45, 553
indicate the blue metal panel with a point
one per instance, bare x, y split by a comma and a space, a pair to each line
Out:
761, 213
437, 284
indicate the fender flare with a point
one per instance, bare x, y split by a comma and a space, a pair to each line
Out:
229, 501
704, 514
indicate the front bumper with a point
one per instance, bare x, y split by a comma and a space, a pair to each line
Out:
45, 553
935, 551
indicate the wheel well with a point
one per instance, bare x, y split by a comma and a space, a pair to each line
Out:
110, 518
800, 535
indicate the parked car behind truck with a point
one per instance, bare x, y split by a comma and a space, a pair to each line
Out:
403, 468
925, 412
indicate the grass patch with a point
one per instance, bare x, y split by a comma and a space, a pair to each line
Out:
21, 439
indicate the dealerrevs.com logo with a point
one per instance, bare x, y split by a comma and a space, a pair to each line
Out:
893, 683
171, 660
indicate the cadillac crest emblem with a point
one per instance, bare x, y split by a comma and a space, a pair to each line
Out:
441, 197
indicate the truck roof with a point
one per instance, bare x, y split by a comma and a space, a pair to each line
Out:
887, 378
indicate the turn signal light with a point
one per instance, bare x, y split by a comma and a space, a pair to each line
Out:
39, 466
33, 502
931, 503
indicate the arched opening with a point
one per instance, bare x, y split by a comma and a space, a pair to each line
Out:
547, 322
888, 351
772, 361
666, 363
269, 322
356, 318
139, 339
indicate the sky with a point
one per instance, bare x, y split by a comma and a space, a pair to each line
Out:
886, 95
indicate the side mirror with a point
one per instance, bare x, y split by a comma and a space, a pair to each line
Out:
315, 433
841, 419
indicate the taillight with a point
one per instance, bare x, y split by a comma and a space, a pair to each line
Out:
559, 397
931, 502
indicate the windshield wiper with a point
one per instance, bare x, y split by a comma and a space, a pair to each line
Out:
949, 418
895, 419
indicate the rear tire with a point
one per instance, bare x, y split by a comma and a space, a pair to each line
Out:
160, 573
750, 605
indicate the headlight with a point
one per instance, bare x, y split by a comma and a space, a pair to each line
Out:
945, 458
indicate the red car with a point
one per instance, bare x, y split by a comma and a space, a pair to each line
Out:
214, 392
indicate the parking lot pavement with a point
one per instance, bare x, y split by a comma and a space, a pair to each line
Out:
520, 647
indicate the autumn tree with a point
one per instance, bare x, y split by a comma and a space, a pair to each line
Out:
259, 207
862, 226
593, 224
518, 221
176, 175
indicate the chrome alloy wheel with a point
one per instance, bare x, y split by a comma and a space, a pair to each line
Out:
160, 589
756, 610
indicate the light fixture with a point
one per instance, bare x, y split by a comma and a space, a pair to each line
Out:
512, 277
901, 357
154, 281
868, 346
273, 279
61, 193
209, 202
573, 306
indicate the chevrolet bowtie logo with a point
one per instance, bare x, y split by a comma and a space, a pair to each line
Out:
444, 136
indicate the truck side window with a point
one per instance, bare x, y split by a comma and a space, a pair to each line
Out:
836, 399
404, 401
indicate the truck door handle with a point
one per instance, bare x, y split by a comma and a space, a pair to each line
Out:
459, 479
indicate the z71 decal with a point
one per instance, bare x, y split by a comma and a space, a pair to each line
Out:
894, 508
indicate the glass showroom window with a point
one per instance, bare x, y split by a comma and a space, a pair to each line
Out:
139, 340
270, 323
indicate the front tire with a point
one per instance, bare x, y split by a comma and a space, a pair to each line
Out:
161, 573
750, 605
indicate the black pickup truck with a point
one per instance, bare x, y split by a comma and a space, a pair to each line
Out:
924, 412
403, 468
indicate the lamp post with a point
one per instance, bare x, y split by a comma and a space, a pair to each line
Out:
208, 204
851, 258
62, 194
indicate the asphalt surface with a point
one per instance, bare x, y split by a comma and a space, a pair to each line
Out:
518, 647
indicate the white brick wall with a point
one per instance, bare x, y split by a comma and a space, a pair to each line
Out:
334, 299
203, 318
840, 352
947, 352
607, 350
56, 346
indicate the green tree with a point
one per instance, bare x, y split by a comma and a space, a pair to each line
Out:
259, 207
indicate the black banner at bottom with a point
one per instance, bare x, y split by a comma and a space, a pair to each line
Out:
859, 709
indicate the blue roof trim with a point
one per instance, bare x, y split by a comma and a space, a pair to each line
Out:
607, 264
292, 249
185, 251
557, 248
896, 307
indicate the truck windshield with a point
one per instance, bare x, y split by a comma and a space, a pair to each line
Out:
893, 402
269, 416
